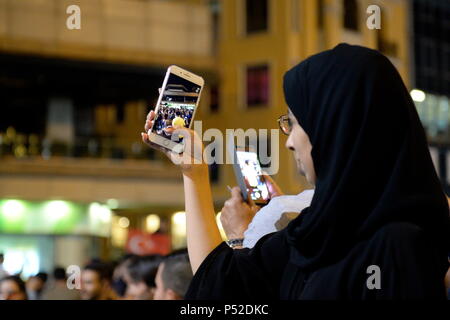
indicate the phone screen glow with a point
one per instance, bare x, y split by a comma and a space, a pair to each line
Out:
177, 106
251, 170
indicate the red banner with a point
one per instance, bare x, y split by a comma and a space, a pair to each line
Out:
142, 243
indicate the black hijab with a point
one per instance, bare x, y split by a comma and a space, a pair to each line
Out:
370, 155
378, 201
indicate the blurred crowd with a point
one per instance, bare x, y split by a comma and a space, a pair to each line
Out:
152, 277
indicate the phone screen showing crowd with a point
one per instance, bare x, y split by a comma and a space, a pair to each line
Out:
177, 107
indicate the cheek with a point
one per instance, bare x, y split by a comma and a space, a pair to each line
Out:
306, 154
304, 151
302, 148
307, 160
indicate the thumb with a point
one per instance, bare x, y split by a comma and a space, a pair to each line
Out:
236, 193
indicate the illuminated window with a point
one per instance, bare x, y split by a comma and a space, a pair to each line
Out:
257, 84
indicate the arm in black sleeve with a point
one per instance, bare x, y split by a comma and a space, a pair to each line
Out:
242, 273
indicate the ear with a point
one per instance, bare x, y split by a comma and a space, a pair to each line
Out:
172, 295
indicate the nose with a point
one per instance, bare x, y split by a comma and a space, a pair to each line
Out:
289, 143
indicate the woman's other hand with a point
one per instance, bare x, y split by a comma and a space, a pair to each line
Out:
237, 214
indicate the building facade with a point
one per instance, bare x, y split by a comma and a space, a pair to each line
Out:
260, 40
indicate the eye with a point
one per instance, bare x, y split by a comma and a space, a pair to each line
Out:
289, 122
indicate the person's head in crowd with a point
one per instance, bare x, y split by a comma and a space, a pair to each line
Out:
43, 276
95, 281
12, 288
173, 277
59, 275
120, 278
2, 258
142, 273
35, 285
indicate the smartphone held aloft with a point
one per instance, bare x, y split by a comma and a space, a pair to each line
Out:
177, 103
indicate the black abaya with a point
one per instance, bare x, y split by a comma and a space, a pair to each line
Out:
377, 202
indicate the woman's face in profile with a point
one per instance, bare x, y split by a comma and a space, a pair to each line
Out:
298, 142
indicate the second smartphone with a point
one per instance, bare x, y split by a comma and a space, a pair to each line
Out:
249, 174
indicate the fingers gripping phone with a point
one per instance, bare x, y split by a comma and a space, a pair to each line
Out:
248, 172
177, 103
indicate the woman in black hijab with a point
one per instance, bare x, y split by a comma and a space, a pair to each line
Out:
378, 225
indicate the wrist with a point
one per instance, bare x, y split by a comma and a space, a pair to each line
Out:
238, 231
235, 235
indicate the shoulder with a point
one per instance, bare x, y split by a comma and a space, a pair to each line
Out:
402, 245
398, 233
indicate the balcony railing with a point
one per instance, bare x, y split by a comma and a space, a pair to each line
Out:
20, 146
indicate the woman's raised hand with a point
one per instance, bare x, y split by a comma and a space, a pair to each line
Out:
190, 160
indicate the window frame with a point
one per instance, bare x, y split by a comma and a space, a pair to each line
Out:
242, 20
